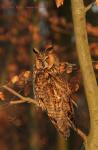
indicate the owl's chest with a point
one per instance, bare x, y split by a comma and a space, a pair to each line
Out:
53, 92
42, 85
55, 95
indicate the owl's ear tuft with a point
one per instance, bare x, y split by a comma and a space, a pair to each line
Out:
49, 49
36, 51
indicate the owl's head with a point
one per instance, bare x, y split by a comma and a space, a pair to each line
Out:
46, 59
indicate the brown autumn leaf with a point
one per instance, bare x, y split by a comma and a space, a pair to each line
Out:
59, 2
69, 69
2, 96
96, 66
96, 2
15, 79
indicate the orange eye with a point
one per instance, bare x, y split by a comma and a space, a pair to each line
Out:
38, 64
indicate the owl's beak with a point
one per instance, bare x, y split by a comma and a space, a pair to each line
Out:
45, 65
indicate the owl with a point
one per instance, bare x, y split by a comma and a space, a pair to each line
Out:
52, 90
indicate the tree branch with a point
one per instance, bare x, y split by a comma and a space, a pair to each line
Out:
89, 6
23, 99
82, 135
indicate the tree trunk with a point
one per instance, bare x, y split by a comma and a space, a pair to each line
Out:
90, 84
62, 144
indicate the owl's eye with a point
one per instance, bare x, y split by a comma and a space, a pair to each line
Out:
46, 58
39, 64
50, 59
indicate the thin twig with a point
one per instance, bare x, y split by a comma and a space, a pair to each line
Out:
78, 131
82, 135
23, 99
75, 104
89, 6
14, 102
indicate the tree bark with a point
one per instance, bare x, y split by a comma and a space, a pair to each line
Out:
90, 84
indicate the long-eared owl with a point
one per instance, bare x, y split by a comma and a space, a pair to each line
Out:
52, 90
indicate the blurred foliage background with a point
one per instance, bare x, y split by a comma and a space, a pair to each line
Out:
25, 24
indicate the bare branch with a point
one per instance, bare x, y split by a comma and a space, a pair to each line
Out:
78, 131
89, 6
82, 135
75, 104
23, 99
33, 101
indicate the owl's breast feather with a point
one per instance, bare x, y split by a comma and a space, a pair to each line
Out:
54, 94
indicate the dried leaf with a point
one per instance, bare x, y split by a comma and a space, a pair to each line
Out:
15, 79
2, 96
59, 2
27, 74
96, 66
96, 2
69, 69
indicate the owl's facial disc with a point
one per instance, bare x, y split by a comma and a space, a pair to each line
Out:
50, 60
46, 59
38, 58
38, 64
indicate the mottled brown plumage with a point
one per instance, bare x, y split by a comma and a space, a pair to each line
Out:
53, 90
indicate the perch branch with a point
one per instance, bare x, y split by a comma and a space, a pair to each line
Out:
23, 99
81, 134
30, 100
78, 131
